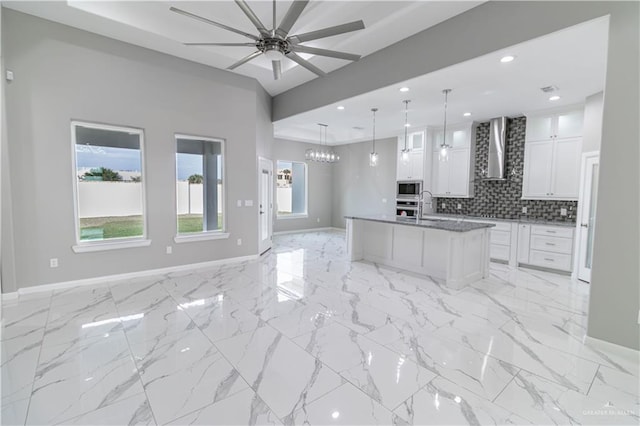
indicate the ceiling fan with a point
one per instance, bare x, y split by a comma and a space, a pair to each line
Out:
276, 43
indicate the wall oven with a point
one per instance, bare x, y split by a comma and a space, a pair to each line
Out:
408, 189
406, 208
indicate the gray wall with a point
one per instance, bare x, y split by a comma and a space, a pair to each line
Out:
359, 189
62, 74
592, 130
319, 175
615, 294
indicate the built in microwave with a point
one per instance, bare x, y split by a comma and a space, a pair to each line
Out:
409, 189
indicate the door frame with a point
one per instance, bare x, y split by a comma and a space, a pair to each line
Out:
265, 164
581, 207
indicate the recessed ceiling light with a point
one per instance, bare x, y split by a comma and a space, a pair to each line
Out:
407, 125
467, 114
507, 58
340, 107
554, 98
404, 89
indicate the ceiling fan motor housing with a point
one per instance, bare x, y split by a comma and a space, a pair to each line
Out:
273, 48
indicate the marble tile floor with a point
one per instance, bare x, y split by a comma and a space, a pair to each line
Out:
302, 336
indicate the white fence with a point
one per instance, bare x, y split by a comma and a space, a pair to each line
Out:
104, 199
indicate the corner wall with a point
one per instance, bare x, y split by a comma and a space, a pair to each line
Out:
61, 74
318, 186
359, 189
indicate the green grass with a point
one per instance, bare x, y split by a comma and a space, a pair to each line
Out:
104, 228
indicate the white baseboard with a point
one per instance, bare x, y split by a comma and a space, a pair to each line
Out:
119, 277
10, 296
302, 231
612, 347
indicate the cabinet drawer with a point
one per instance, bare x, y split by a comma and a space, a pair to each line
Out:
501, 226
550, 260
500, 237
499, 252
554, 231
551, 244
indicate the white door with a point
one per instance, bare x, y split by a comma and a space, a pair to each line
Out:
566, 169
459, 172
536, 181
587, 216
265, 207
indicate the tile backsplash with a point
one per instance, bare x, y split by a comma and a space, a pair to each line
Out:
501, 199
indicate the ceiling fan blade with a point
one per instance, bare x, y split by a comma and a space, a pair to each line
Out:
325, 52
274, 15
214, 23
304, 63
222, 44
327, 32
245, 60
252, 17
291, 17
277, 69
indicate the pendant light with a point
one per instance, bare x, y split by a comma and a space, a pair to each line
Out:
373, 155
324, 154
444, 147
404, 154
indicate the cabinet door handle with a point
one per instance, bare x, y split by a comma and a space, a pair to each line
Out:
549, 260
550, 244
584, 225
551, 232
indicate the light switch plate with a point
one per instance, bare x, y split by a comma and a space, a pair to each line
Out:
524, 210
563, 212
248, 203
239, 203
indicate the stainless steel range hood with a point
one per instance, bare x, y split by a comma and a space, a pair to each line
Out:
497, 143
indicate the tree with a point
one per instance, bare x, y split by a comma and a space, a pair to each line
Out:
103, 174
196, 178
136, 178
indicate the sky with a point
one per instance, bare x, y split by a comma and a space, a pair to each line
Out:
123, 159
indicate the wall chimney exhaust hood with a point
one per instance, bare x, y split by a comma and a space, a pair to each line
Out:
497, 143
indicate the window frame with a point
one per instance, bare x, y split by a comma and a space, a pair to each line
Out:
306, 192
111, 243
217, 234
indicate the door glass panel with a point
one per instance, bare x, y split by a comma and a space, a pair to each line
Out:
592, 214
264, 205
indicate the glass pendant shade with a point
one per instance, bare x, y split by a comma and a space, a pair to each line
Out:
443, 155
373, 155
323, 154
404, 154
373, 159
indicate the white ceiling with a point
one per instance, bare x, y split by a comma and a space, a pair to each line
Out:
150, 24
573, 59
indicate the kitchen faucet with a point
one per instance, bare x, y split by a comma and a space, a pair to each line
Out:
421, 202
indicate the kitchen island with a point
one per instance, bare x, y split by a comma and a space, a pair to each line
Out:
455, 252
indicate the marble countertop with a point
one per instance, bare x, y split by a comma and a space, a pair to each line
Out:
526, 220
442, 224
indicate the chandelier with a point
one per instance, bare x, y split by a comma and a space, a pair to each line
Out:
324, 154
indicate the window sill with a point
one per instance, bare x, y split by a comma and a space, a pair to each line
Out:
293, 216
201, 236
115, 245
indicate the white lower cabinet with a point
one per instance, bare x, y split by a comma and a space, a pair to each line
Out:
546, 246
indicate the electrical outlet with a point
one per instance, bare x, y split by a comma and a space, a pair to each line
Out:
239, 204
239, 241
459, 206
524, 210
444, 205
53, 262
248, 203
318, 220
9, 75
563, 212
169, 249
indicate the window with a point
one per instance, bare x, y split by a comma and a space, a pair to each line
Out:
291, 189
109, 183
199, 186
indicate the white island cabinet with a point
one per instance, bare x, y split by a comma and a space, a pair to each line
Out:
455, 252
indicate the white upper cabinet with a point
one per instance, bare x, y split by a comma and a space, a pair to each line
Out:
414, 168
552, 155
453, 178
